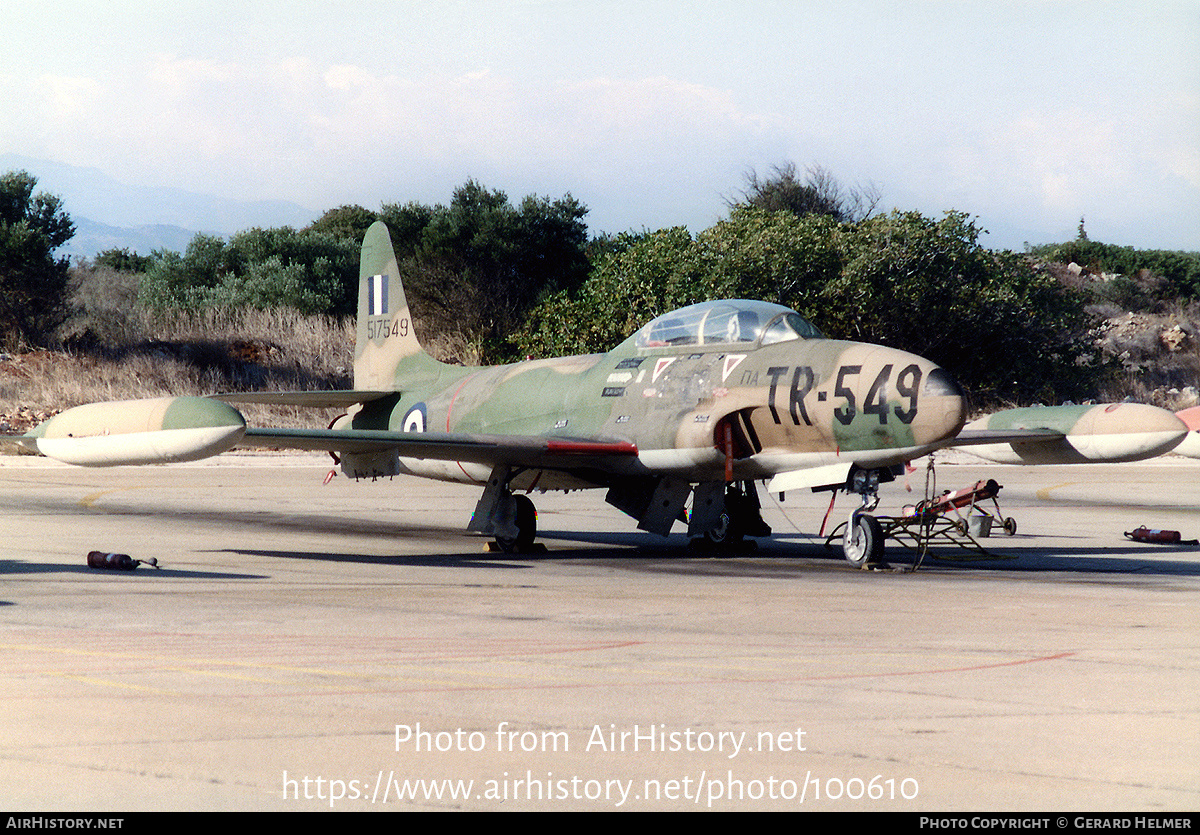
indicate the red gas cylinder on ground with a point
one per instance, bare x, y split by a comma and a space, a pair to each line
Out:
116, 562
1149, 535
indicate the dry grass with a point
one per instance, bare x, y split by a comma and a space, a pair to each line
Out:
196, 354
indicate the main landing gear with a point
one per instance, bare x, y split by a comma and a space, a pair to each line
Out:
728, 527
524, 519
511, 519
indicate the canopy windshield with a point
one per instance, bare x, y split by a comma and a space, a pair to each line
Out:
736, 322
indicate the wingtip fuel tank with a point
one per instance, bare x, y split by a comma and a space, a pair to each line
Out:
1190, 446
1105, 432
158, 430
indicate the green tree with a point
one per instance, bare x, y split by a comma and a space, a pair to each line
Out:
756, 254
475, 267
311, 271
345, 222
123, 260
636, 278
928, 286
33, 283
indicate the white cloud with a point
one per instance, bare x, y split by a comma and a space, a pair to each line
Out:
650, 115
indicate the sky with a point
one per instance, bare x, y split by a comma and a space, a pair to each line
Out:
1027, 115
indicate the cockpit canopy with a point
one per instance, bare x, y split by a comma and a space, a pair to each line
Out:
733, 322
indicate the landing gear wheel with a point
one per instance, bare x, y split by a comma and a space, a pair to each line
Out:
525, 518
862, 543
1010, 526
724, 533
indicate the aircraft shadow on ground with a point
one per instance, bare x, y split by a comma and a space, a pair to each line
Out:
472, 560
1091, 560
1119, 558
640, 550
23, 567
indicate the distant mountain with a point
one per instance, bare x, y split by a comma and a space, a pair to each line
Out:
92, 238
110, 214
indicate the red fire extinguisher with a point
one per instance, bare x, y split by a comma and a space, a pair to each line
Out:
116, 562
1148, 535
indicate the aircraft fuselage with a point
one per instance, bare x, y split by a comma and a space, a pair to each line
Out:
705, 411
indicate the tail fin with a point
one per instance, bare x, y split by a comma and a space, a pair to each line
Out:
385, 329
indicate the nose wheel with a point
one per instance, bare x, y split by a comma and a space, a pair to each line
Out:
862, 543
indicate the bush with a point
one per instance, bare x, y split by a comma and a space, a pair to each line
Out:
904, 280
314, 272
1181, 270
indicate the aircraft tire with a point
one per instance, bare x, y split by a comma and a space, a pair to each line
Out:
723, 533
526, 522
862, 543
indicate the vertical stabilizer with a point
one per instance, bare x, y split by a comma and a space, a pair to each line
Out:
385, 330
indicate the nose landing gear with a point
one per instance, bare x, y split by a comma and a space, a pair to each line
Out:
862, 542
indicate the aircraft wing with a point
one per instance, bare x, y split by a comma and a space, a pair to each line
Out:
540, 452
311, 399
516, 450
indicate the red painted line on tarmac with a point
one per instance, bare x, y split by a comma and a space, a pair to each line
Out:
137, 659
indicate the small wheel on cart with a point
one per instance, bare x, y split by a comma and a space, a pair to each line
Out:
1010, 526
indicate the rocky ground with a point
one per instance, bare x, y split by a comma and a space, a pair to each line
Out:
1159, 354
18, 372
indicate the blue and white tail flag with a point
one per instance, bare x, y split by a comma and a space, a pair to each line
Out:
377, 295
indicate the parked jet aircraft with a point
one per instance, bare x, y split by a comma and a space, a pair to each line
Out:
678, 422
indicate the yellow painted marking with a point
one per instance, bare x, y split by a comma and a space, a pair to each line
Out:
1044, 493
90, 499
213, 674
107, 683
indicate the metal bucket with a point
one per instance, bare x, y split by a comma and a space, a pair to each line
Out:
979, 525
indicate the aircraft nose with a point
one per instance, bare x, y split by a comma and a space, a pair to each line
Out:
945, 406
883, 397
